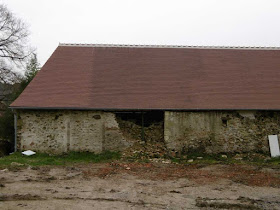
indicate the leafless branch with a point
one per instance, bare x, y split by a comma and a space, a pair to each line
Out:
13, 44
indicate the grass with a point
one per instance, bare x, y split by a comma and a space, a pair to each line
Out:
274, 161
41, 159
260, 159
229, 159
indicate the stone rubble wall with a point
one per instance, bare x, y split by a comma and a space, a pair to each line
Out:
220, 131
152, 133
97, 131
64, 131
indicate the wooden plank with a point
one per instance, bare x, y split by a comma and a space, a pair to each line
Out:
274, 145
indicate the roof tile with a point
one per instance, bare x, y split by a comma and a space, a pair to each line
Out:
149, 77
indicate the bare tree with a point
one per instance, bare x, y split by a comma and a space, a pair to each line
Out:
13, 44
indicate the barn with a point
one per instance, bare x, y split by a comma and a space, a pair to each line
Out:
94, 98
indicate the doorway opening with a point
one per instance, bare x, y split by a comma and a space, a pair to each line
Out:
147, 126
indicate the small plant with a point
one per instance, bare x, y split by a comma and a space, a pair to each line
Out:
41, 159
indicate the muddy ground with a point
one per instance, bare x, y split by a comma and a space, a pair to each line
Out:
141, 186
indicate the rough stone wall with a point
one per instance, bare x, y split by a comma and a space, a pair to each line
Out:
97, 131
220, 131
132, 131
63, 131
113, 137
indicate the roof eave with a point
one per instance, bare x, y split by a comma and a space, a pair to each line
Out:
144, 109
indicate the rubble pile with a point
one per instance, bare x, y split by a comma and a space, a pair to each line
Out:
151, 146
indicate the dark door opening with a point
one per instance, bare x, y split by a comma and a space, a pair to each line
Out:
142, 125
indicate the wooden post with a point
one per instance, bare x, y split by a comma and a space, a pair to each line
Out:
142, 133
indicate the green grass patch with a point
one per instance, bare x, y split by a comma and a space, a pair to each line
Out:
17, 160
274, 161
226, 159
41, 159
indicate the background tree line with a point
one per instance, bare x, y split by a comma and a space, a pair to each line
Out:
18, 66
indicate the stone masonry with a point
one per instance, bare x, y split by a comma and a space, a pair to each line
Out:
97, 131
63, 131
220, 131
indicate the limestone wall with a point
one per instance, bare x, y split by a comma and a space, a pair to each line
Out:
63, 131
97, 131
219, 131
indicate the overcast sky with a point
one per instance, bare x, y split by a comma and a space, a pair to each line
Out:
174, 22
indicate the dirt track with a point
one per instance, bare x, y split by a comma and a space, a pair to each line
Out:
141, 186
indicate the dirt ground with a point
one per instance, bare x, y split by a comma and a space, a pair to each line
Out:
119, 185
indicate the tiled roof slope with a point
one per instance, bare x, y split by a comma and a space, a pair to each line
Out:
156, 77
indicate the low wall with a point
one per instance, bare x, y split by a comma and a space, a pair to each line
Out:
220, 131
63, 131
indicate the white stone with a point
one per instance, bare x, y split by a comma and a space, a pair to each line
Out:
28, 153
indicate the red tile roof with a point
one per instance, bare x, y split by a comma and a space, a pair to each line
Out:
155, 77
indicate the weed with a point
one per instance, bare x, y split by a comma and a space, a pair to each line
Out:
40, 159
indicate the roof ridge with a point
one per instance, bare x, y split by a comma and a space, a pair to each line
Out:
167, 46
